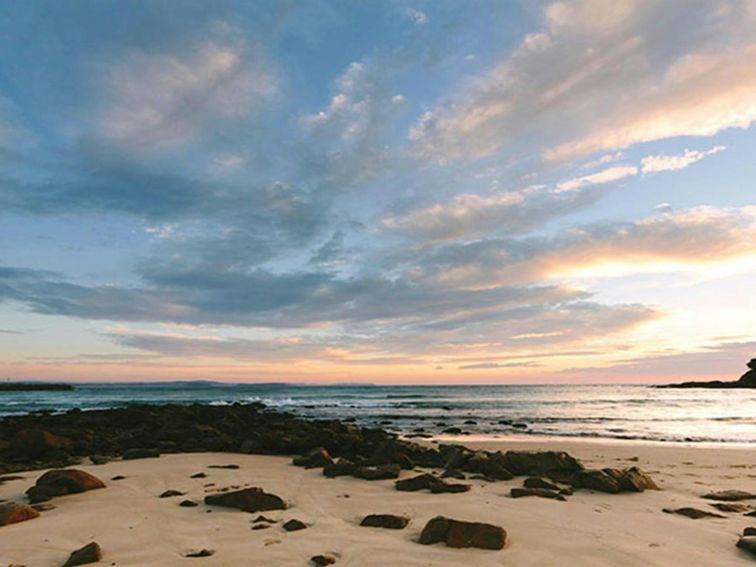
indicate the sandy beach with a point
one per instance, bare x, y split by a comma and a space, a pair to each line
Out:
135, 527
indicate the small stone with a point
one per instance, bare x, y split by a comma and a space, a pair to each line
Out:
90, 553
262, 518
294, 525
748, 544
171, 493
321, 560
692, 513
749, 531
540, 492
387, 521
201, 553
261, 526
729, 495
188, 504
229, 467
117, 477
199, 475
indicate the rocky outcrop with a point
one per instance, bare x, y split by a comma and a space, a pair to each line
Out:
36, 443
729, 495
612, 481
12, 513
60, 482
90, 553
387, 521
457, 533
316, 458
137, 453
247, 499
429, 482
747, 380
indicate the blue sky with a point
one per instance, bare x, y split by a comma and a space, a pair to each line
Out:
380, 191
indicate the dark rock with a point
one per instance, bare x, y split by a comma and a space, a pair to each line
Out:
540, 492
90, 553
535, 482
170, 493
693, 513
747, 380
747, 544
199, 475
59, 482
36, 443
294, 525
457, 533
452, 431
188, 504
429, 482
342, 467
99, 459
12, 513
248, 500
264, 519
535, 463
377, 472
229, 467
201, 553
9, 478
751, 514
729, 495
520, 425
470, 422
322, 560
749, 531
388, 521
261, 527
612, 481
314, 459
118, 477
729, 507
131, 454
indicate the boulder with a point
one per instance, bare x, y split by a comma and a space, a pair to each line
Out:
458, 533
387, 521
540, 492
59, 482
342, 467
729, 495
749, 531
12, 513
90, 553
314, 459
252, 499
36, 443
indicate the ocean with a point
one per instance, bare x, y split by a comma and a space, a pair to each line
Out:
615, 412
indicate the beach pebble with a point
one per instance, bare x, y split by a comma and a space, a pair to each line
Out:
90, 553
387, 521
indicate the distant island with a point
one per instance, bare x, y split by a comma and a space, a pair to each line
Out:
27, 387
747, 380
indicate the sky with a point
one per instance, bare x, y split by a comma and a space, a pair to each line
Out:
386, 192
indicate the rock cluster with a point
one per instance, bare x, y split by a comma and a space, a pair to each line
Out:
457, 533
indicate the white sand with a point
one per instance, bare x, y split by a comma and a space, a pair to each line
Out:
135, 527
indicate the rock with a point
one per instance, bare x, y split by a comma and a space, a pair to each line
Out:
9, 478
457, 533
520, 425
388, 521
540, 492
44, 507
171, 493
377, 472
199, 475
747, 380
747, 544
729, 495
294, 525
261, 527
321, 560
131, 454
452, 431
314, 459
99, 459
229, 467
693, 513
12, 513
90, 553
752, 514
535, 463
188, 504
613, 480
36, 443
749, 531
59, 482
536, 482
429, 482
729, 507
342, 467
118, 477
247, 499
201, 553
262, 518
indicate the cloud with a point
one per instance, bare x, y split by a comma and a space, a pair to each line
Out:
605, 176
601, 78
164, 98
490, 365
654, 164
417, 16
